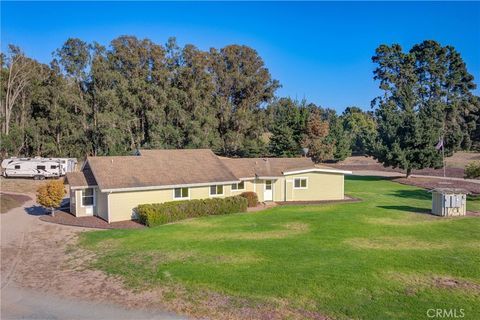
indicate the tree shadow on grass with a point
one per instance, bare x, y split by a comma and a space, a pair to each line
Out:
364, 178
407, 208
36, 210
412, 194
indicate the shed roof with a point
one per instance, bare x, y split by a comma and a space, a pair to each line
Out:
450, 190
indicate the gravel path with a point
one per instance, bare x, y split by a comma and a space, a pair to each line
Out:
401, 175
39, 280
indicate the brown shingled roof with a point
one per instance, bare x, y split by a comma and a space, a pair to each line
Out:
154, 168
265, 167
84, 178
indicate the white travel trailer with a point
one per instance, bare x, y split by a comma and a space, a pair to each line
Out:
38, 168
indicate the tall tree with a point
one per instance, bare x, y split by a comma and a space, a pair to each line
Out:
17, 78
288, 123
425, 91
242, 85
361, 129
320, 147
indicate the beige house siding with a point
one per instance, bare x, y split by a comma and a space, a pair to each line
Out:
122, 204
119, 206
277, 189
320, 186
102, 204
81, 211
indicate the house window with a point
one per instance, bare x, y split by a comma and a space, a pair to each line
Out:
88, 196
17, 166
41, 167
238, 186
180, 193
216, 190
300, 183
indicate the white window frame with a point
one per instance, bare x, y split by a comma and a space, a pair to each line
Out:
181, 198
301, 188
94, 198
237, 189
216, 186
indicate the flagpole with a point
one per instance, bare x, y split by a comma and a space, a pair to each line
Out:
443, 147
443, 153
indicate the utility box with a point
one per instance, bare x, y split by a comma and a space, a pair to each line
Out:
449, 202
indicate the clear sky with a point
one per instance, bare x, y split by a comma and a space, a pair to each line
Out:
318, 51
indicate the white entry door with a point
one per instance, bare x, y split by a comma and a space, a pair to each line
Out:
268, 193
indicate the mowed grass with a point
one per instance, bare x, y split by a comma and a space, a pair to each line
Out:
381, 258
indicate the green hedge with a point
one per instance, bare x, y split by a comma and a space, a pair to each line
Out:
160, 213
251, 197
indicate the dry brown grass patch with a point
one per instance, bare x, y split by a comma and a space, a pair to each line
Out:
399, 222
415, 282
394, 243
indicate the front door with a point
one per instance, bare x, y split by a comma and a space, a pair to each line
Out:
268, 193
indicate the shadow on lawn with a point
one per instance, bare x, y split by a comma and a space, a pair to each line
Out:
364, 178
407, 208
412, 194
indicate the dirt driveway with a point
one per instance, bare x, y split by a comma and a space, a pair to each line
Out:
42, 278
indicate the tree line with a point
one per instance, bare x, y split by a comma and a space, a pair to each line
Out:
97, 100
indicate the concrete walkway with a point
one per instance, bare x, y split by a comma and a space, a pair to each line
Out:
17, 228
401, 175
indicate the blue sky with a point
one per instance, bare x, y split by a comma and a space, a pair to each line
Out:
318, 51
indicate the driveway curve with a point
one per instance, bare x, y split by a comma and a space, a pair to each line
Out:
40, 281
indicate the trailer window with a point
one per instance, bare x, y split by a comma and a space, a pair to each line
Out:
87, 197
17, 166
41, 167
53, 167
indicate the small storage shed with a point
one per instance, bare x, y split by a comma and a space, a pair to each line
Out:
449, 202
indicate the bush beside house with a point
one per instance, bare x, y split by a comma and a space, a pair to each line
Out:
251, 197
160, 213
472, 170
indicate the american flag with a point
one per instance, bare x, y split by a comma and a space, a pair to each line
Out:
439, 144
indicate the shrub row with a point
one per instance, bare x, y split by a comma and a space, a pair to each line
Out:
251, 197
160, 213
472, 170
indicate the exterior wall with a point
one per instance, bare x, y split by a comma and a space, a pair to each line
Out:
122, 204
439, 208
437, 204
73, 202
320, 186
102, 204
81, 211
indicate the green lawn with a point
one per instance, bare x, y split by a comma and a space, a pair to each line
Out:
375, 259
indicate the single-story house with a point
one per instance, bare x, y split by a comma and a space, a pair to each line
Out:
111, 187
